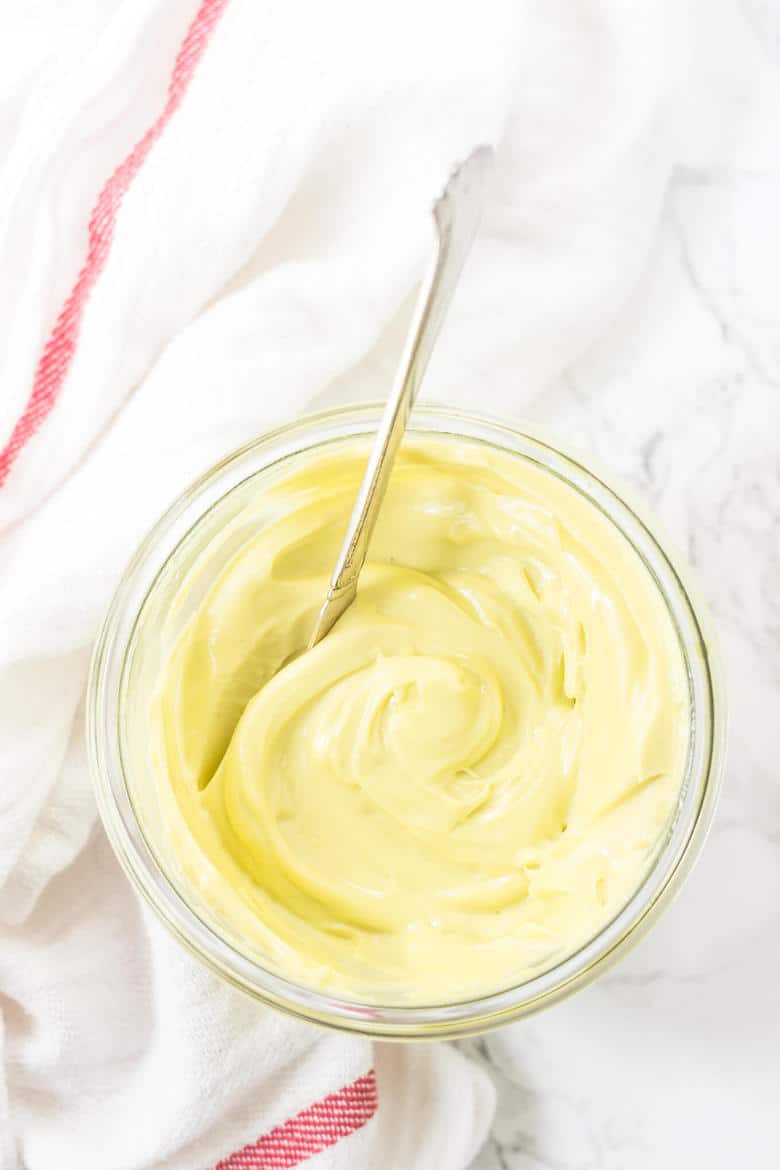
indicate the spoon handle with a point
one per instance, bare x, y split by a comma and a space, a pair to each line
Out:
456, 213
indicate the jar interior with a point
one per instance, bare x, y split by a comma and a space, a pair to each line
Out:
188, 569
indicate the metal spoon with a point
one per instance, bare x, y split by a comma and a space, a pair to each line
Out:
456, 213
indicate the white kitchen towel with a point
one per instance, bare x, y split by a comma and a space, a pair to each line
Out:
211, 214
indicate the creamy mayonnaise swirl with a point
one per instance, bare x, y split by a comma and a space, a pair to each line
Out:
466, 779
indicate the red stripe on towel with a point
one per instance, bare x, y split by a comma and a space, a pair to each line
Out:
59, 349
310, 1131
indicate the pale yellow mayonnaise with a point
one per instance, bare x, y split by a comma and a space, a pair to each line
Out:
467, 778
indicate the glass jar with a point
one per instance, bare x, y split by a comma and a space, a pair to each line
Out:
131, 648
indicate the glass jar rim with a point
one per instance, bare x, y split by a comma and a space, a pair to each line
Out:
673, 859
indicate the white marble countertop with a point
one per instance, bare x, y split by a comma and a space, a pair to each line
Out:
672, 1060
